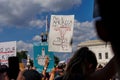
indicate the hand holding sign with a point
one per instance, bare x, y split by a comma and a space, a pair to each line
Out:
46, 61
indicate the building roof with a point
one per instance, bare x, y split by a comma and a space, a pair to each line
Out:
92, 42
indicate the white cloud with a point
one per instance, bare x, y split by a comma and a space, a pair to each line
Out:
57, 5
21, 45
37, 38
82, 32
37, 23
17, 13
22, 12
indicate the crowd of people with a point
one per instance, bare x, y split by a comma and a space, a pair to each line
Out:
29, 72
82, 65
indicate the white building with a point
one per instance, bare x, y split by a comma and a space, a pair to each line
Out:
101, 49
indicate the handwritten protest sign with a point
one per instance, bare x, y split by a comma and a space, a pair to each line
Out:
61, 32
7, 49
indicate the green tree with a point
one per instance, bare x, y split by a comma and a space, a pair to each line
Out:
22, 55
56, 60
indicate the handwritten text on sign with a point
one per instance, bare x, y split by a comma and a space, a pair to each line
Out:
7, 49
61, 31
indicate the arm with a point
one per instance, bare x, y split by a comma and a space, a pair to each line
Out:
45, 67
52, 75
20, 75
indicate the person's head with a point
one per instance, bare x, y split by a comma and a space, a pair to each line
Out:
107, 26
32, 75
60, 68
3, 68
4, 72
83, 62
61, 65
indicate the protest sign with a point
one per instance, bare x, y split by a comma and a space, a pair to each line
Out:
61, 32
7, 49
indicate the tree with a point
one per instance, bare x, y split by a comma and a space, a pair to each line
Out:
22, 55
56, 60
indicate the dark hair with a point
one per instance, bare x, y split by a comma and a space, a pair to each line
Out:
61, 66
3, 68
77, 64
32, 75
108, 16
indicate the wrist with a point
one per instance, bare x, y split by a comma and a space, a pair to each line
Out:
45, 68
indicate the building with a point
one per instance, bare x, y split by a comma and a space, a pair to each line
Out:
101, 49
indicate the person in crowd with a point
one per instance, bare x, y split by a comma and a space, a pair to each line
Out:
60, 69
46, 75
4, 72
107, 26
99, 67
82, 66
29, 75
52, 74
33, 74
13, 65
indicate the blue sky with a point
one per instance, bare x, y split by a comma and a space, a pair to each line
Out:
24, 20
